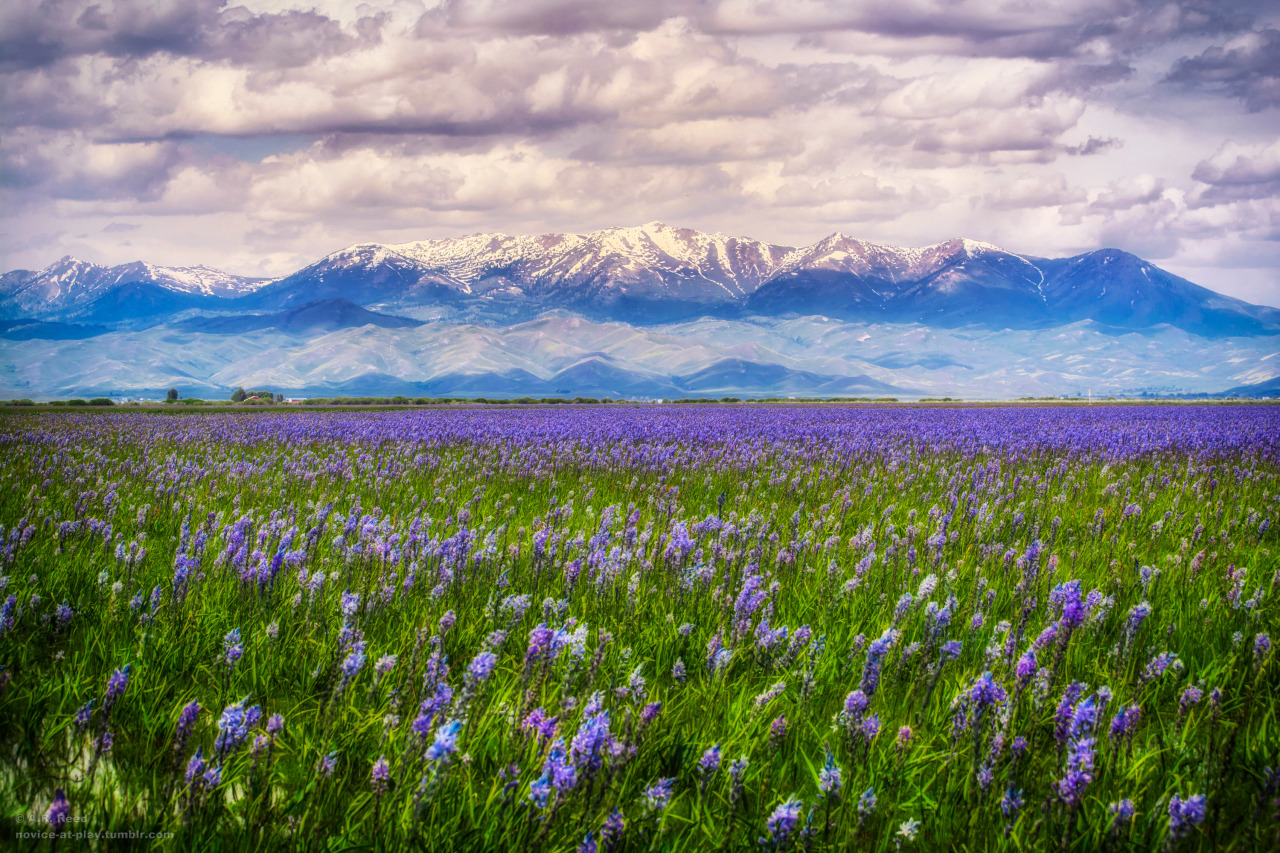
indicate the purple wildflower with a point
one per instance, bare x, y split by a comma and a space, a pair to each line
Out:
1185, 815
1125, 721
904, 739
481, 667
710, 761
445, 743
447, 621
116, 685
1122, 813
590, 744
232, 648
829, 777
84, 715
1025, 669
866, 804
234, 725
658, 795
195, 767
777, 732
186, 720
783, 822
380, 777
59, 810
612, 830
870, 727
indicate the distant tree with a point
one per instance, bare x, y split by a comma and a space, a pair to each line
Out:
101, 401
279, 398
173, 395
238, 395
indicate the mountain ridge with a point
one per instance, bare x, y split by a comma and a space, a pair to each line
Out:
653, 274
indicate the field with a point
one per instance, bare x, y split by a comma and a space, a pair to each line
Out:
632, 628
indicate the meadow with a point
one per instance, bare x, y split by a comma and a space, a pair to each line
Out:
641, 628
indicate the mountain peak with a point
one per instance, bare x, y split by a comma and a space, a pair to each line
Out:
69, 261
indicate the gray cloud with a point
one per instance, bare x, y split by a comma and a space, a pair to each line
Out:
1247, 67
38, 33
1235, 174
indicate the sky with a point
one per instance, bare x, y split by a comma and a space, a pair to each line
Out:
257, 138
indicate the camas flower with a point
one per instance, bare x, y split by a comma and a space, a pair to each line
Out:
59, 810
232, 648
829, 777
870, 728
380, 776
904, 739
186, 720
611, 832
1159, 665
84, 715
116, 685
590, 744
195, 767
1122, 813
783, 822
1185, 815
710, 761
445, 743
866, 804
1025, 669
481, 667
1125, 721
678, 672
557, 768
234, 726
658, 795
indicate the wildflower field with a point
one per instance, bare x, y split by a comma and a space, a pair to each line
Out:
643, 627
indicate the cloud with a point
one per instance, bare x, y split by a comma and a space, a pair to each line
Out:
40, 33
1032, 190
1128, 193
1246, 67
277, 130
1236, 173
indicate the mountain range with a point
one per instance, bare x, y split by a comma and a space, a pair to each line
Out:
430, 307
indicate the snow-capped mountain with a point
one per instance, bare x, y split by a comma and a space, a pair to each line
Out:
647, 269
74, 289
655, 273
652, 259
